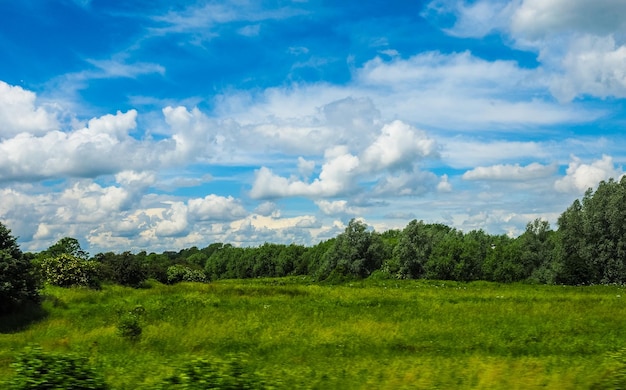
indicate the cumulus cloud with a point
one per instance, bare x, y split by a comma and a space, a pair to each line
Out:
580, 44
397, 146
216, 208
508, 172
104, 146
173, 221
580, 176
20, 113
592, 66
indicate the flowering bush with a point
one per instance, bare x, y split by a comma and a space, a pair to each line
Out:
66, 270
180, 273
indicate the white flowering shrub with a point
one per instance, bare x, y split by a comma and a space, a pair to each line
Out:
66, 270
180, 273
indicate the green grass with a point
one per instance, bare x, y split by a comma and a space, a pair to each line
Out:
361, 335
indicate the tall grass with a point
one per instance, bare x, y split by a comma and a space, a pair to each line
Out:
369, 334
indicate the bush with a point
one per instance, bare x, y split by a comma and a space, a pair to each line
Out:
129, 325
180, 273
38, 370
201, 374
18, 283
67, 270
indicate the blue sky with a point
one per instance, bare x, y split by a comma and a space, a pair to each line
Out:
161, 125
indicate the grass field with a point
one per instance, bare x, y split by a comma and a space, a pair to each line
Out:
361, 335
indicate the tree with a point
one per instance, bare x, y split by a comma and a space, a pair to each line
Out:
18, 283
415, 246
591, 241
68, 246
502, 261
125, 268
356, 252
571, 264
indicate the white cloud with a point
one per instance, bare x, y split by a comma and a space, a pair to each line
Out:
444, 185
405, 184
102, 147
508, 172
216, 208
337, 177
580, 176
267, 209
337, 207
173, 221
20, 113
305, 167
538, 19
593, 66
580, 43
466, 152
398, 146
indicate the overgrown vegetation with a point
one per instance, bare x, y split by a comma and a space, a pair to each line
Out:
291, 333
39, 370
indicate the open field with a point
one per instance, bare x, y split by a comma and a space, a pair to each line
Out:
370, 334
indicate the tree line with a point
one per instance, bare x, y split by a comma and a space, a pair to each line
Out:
589, 247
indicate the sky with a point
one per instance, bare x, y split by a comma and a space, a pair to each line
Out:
161, 125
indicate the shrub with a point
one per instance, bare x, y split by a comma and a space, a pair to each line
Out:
67, 270
38, 370
180, 273
201, 374
129, 325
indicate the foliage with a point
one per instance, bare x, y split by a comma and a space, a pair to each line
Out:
67, 246
180, 273
356, 252
125, 269
38, 370
129, 325
592, 237
18, 283
201, 374
66, 270
415, 247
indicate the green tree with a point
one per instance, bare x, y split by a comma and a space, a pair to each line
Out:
67, 245
415, 246
125, 268
571, 266
502, 262
356, 252
591, 245
18, 283
538, 244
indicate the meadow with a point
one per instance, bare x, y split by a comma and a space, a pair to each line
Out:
370, 334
